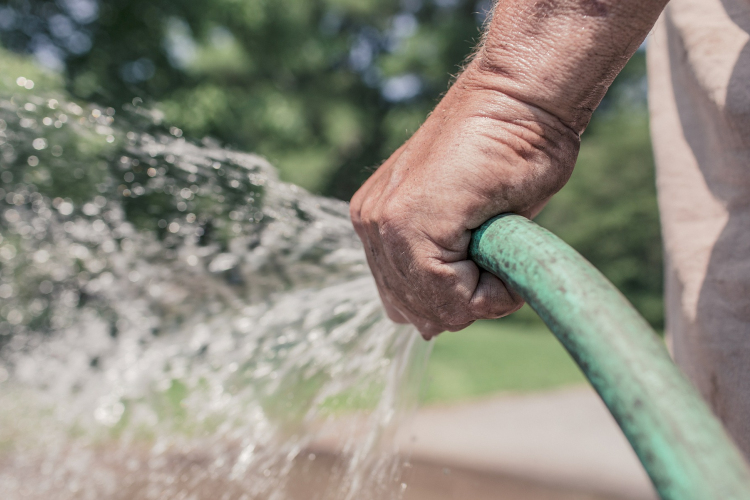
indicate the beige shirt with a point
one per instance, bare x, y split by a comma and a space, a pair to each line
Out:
699, 95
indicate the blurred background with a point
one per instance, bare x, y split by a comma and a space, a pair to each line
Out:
326, 90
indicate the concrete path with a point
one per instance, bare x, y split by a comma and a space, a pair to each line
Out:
564, 438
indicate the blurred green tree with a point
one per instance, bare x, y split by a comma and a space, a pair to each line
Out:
323, 88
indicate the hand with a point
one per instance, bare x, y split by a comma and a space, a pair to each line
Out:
504, 139
479, 154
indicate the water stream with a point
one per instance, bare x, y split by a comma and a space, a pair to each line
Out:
176, 323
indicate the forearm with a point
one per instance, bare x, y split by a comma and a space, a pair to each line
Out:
562, 55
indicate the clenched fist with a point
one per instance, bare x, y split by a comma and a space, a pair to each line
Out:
479, 154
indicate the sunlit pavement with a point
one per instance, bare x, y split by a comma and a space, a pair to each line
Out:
565, 440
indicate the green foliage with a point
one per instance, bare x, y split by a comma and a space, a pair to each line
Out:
497, 356
72, 152
299, 81
15, 66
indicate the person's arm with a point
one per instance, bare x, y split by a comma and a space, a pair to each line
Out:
503, 139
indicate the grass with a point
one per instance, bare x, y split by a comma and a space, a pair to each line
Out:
497, 356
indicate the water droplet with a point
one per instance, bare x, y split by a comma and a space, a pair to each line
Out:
90, 209
11, 216
14, 317
7, 252
41, 256
65, 208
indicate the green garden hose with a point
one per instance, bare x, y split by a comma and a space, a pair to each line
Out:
682, 446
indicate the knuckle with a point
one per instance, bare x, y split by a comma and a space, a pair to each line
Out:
388, 226
453, 317
392, 216
369, 214
444, 278
390, 213
355, 213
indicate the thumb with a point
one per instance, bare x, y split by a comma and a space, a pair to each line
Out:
492, 298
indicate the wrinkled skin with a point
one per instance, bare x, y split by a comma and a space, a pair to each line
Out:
479, 154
